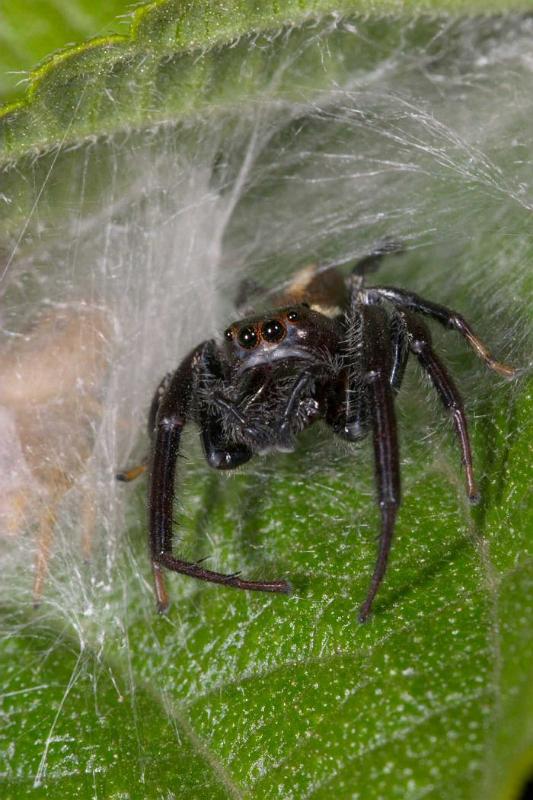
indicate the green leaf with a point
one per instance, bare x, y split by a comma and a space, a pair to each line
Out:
31, 30
172, 52
89, 730
311, 144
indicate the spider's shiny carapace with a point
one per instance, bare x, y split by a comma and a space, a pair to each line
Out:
329, 348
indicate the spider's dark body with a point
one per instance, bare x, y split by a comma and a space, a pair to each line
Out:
329, 349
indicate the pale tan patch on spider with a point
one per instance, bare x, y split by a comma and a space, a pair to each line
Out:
324, 290
51, 379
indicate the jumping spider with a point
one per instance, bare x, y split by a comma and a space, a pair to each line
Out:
331, 348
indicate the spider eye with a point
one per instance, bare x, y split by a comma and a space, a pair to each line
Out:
247, 338
228, 334
273, 330
292, 315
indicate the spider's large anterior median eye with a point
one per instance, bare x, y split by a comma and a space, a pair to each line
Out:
247, 337
273, 331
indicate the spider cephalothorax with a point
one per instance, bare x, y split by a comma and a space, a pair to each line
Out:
330, 348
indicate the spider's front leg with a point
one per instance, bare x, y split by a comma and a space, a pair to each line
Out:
377, 370
301, 400
365, 398
175, 407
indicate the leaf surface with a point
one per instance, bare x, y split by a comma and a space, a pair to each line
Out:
31, 30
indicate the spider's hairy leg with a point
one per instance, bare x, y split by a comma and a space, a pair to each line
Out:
420, 345
303, 381
301, 386
449, 319
348, 413
399, 338
175, 408
372, 261
377, 362
233, 412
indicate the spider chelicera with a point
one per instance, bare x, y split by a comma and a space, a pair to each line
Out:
332, 349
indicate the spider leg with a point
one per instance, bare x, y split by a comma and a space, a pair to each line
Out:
347, 408
352, 396
174, 410
448, 318
377, 371
372, 261
420, 345
348, 412
399, 338
303, 382
156, 402
233, 411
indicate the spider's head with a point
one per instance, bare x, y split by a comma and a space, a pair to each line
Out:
292, 333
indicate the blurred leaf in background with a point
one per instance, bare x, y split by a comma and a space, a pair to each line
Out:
32, 29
